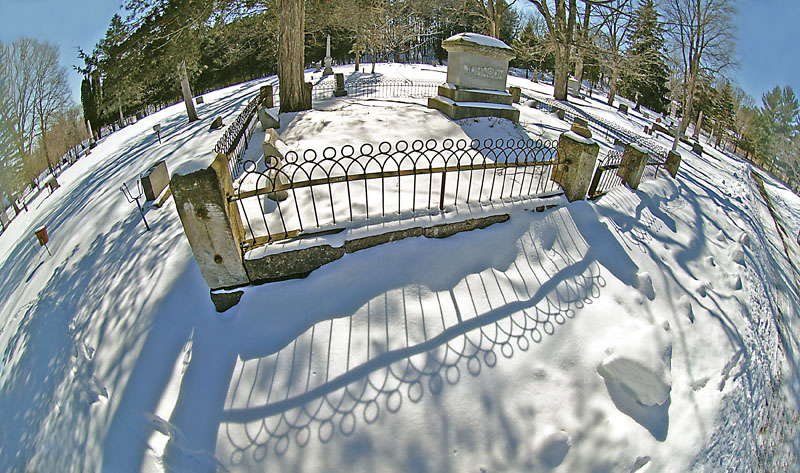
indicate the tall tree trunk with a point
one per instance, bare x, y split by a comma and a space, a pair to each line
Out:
121, 118
291, 35
561, 73
687, 109
579, 70
612, 88
698, 126
187, 92
358, 61
47, 156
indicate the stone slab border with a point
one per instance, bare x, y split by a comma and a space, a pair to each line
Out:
298, 264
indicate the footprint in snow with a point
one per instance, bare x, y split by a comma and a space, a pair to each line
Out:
721, 236
744, 239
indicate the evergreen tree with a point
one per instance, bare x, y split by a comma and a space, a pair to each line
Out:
780, 113
646, 79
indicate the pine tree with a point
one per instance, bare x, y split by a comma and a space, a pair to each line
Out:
646, 80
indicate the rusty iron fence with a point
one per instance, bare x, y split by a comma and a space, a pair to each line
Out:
306, 193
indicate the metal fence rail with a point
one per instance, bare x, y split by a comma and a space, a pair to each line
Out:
606, 126
234, 141
368, 87
309, 192
605, 176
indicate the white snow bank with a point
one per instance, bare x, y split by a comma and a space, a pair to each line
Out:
640, 362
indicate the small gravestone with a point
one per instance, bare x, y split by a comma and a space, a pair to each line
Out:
268, 119
623, 108
559, 113
339, 91
574, 87
4, 219
155, 180
216, 124
52, 184
515, 92
581, 127
199, 100
697, 148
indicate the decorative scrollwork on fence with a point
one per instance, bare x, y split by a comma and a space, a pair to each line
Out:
280, 198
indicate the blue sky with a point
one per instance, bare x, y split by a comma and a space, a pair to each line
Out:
768, 32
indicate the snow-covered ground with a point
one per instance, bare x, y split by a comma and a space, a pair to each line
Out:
650, 330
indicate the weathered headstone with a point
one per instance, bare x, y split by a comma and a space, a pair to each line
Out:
477, 70
697, 148
339, 91
268, 119
581, 127
623, 108
199, 100
574, 87
155, 180
515, 92
216, 124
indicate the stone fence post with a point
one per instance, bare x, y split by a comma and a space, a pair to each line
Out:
634, 160
673, 163
211, 223
265, 95
578, 156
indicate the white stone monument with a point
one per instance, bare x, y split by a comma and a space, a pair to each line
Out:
328, 60
477, 69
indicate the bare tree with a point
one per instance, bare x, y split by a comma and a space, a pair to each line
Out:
614, 34
703, 37
37, 88
492, 11
561, 24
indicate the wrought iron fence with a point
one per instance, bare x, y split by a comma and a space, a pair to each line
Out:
655, 167
309, 192
368, 87
606, 176
606, 126
234, 141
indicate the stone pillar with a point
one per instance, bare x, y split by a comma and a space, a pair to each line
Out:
265, 96
673, 163
211, 223
634, 159
328, 59
515, 93
578, 156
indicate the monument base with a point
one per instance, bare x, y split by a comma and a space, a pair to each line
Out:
459, 110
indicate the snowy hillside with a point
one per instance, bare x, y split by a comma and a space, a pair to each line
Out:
650, 330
